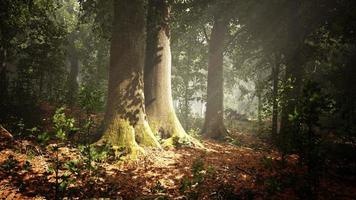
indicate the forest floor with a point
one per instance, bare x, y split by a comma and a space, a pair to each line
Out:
247, 169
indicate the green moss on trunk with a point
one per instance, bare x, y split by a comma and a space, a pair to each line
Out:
121, 135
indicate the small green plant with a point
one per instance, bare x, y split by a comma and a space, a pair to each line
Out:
43, 138
178, 142
62, 181
98, 153
62, 124
91, 99
198, 171
54, 168
73, 166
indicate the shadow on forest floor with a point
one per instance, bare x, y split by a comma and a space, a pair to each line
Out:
222, 171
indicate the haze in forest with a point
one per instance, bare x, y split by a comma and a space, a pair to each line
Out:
178, 99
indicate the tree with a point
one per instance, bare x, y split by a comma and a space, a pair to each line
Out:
125, 123
70, 16
214, 125
275, 81
158, 92
189, 61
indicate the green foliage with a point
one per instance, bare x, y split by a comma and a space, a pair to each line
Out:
311, 106
62, 124
195, 133
179, 142
101, 153
43, 138
72, 166
305, 119
91, 99
62, 180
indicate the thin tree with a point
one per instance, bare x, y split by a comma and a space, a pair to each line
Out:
73, 85
275, 79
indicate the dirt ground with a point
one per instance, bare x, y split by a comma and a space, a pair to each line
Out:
249, 169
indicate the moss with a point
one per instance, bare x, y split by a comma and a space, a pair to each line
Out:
176, 134
121, 135
145, 136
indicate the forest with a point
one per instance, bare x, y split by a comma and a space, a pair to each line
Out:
178, 99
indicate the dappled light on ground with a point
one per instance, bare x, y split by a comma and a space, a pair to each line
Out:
221, 171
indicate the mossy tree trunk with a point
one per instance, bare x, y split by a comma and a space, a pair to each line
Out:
125, 122
214, 125
158, 93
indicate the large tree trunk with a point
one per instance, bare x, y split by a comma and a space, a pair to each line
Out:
214, 125
275, 79
158, 93
125, 123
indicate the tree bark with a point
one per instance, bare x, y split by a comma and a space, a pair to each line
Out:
73, 85
214, 125
158, 93
293, 76
275, 77
125, 123
259, 102
3, 77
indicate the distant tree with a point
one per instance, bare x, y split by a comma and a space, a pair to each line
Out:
214, 124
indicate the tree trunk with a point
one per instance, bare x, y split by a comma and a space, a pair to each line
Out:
275, 79
259, 102
3, 77
125, 123
293, 77
73, 85
186, 103
214, 125
158, 93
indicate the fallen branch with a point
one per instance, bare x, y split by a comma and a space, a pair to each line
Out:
5, 133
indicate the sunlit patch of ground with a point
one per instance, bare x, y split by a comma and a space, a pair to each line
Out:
242, 170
